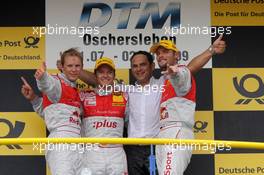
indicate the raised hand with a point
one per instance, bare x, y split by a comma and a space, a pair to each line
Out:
171, 70
219, 45
27, 90
40, 72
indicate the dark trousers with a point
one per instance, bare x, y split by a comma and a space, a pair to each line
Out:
138, 159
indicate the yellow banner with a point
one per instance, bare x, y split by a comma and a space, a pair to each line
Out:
239, 164
20, 48
238, 89
237, 12
21, 125
204, 130
47, 170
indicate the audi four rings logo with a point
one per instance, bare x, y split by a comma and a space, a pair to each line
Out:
31, 41
14, 131
200, 126
255, 95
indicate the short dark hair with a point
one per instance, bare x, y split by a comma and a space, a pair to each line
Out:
71, 52
147, 54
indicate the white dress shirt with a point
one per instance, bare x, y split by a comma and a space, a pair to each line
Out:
144, 110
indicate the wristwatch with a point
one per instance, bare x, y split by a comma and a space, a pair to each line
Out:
211, 50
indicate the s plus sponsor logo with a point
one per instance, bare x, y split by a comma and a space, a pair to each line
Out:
104, 124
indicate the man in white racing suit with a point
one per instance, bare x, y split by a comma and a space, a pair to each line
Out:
60, 108
177, 105
104, 113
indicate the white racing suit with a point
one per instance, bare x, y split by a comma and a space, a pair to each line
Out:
61, 111
177, 111
104, 117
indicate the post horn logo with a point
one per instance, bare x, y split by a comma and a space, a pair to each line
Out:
14, 131
31, 41
249, 95
200, 126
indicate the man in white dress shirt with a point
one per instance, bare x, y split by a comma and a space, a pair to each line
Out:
144, 106
143, 119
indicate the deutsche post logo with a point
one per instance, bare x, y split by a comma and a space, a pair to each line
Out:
14, 131
200, 126
31, 42
249, 95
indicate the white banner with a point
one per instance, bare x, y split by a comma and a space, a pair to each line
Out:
116, 29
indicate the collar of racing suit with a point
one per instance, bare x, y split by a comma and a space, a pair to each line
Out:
64, 78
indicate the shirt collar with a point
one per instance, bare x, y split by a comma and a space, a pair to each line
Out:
151, 81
